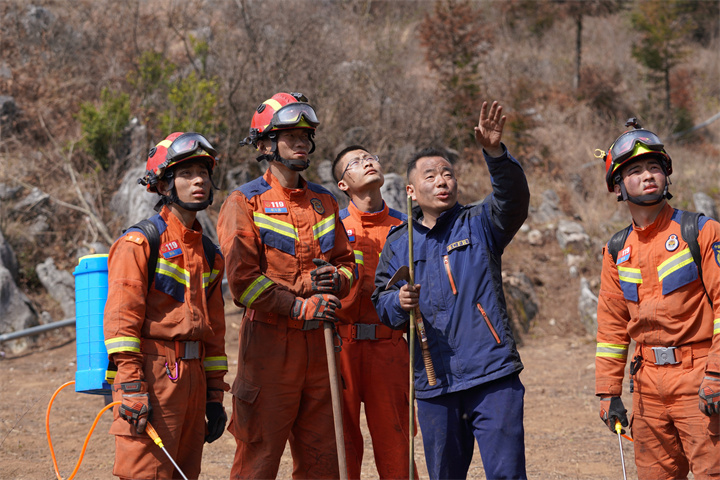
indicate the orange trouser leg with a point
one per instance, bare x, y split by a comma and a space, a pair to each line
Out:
178, 416
672, 436
376, 373
282, 393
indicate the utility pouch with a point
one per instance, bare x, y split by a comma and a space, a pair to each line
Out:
311, 324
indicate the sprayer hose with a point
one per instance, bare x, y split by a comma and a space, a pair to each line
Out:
87, 438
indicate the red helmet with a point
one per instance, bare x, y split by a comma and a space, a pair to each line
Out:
281, 112
629, 147
176, 148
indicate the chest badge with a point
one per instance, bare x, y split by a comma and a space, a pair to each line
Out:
624, 255
351, 234
274, 206
672, 243
317, 205
171, 249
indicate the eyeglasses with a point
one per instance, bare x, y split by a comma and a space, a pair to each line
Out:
355, 162
292, 113
624, 146
186, 145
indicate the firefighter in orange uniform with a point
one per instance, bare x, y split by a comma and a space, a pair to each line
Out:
166, 332
374, 361
655, 294
288, 263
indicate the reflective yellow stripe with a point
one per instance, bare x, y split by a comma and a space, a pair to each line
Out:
277, 226
123, 344
323, 226
210, 277
254, 290
359, 257
215, 363
716, 324
673, 263
630, 275
348, 274
173, 271
273, 103
611, 350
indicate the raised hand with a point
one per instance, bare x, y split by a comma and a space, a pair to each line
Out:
488, 132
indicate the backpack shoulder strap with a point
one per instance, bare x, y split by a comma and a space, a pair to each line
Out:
689, 229
150, 231
617, 242
210, 249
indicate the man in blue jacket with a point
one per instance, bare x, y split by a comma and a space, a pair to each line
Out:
457, 252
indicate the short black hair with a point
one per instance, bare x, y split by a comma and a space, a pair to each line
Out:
339, 157
427, 152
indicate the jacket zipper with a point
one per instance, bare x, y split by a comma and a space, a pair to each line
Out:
487, 321
446, 261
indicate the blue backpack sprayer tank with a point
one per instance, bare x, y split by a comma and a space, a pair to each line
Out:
91, 291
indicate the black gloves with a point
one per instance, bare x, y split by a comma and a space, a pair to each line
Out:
216, 420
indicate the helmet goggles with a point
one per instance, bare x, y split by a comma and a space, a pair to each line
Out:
292, 114
187, 145
625, 147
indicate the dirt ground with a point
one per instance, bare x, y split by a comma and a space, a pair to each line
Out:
563, 435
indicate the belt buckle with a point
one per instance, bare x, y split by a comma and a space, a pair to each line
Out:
365, 331
192, 350
665, 355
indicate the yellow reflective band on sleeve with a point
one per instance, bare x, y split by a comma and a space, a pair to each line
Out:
213, 364
348, 274
210, 277
611, 350
630, 275
673, 263
123, 344
171, 270
716, 326
324, 226
359, 257
278, 226
254, 290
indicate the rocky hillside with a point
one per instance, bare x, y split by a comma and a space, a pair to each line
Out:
86, 87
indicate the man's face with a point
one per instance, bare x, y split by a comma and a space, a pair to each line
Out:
433, 185
293, 144
643, 177
192, 182
358, 170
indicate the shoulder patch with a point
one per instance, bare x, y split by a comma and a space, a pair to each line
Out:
314, 187
135, 237
716, 252
254, 187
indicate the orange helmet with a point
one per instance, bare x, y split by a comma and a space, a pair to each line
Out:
282, 111
176, 148
631, 145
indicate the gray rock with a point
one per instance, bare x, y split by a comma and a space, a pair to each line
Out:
705, 204
9, 193
548, 211
16, 310
59, 284
587, 307
8, 259
572, 237
394, 193
522, 303
33, 200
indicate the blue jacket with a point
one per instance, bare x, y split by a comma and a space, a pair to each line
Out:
457, 263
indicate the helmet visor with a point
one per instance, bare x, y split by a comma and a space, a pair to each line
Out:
624, 146
187, 145
293, 113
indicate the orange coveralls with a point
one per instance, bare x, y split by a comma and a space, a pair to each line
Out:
374, 358
653, 295
270, 235
148, 334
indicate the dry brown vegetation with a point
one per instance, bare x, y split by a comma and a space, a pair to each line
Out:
378, 74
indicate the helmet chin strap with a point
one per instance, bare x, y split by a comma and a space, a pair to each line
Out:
295, 165
644, 200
